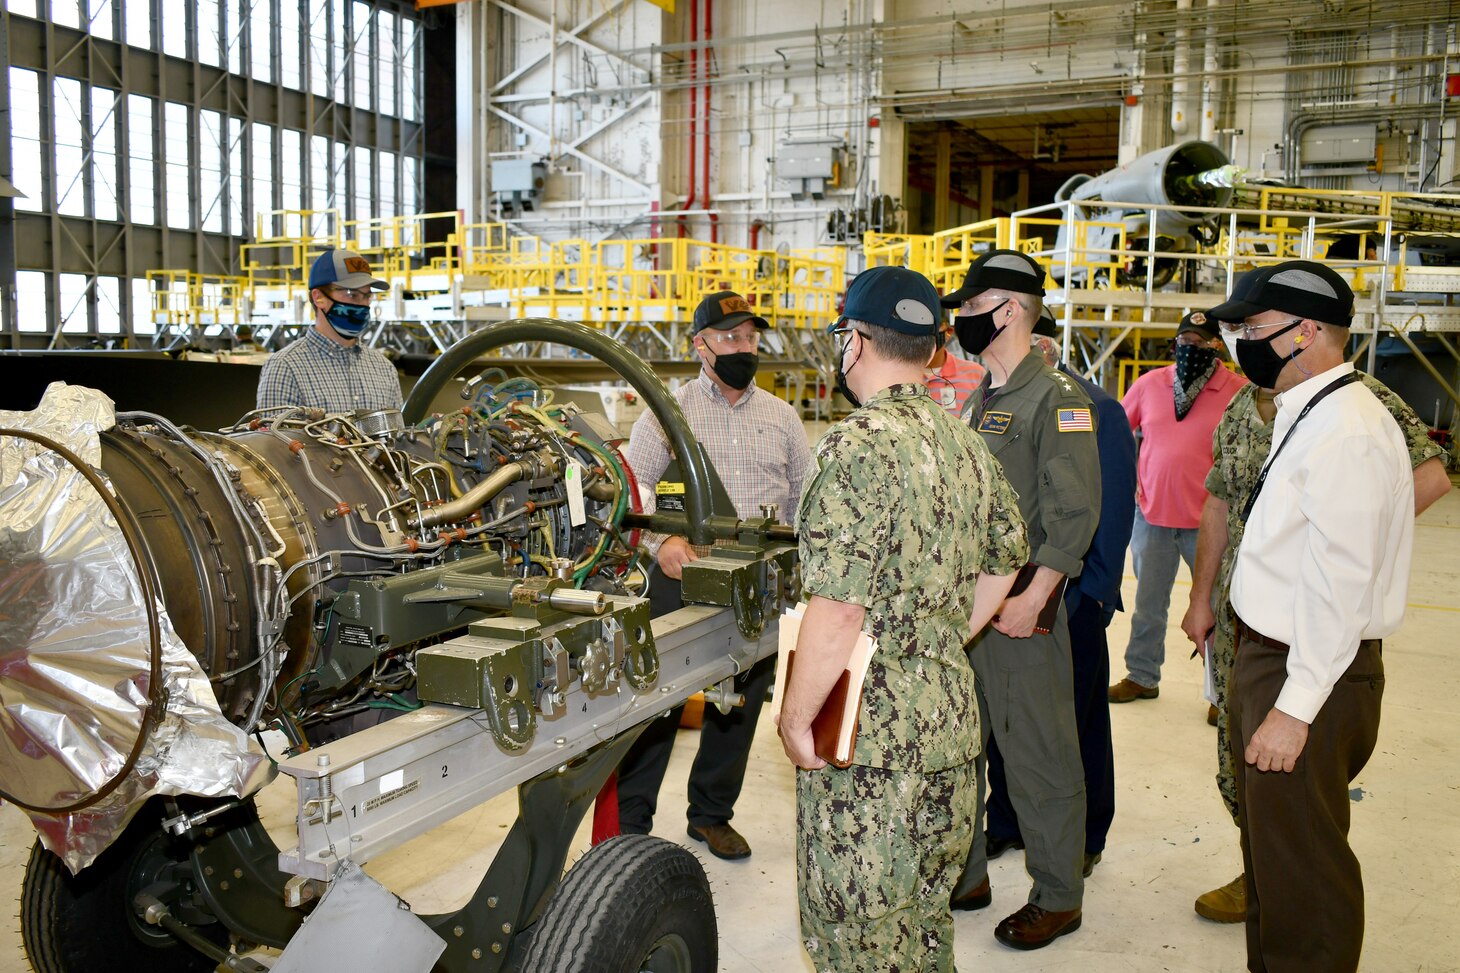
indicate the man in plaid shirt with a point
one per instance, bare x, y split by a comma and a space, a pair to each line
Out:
328, 368
758, 447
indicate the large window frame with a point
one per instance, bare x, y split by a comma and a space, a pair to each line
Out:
176, 118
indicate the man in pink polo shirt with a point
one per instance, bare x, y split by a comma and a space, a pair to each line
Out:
950, 379
1174, 410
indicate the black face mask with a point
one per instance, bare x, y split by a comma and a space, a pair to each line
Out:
1260, 363
841, 375
736, 370
977, 331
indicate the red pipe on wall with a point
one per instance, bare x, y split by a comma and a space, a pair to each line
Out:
694, 31
706, 202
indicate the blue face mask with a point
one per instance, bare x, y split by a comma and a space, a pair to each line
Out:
348, 319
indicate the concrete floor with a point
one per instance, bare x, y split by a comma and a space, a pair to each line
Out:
1171, 839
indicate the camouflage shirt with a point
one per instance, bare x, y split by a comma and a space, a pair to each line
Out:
904, 511
1242, 441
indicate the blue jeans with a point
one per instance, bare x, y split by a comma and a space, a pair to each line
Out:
1155, 553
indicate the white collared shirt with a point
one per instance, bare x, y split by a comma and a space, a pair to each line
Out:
1324, 562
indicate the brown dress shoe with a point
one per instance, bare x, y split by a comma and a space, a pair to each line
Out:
1226, 904
1211, 715
981, 897
1032, 927
1128, 689
722, 840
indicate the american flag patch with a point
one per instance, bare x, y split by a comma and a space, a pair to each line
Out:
1075, 420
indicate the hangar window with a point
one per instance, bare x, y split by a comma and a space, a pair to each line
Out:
25, 139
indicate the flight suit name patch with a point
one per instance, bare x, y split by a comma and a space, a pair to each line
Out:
996, 423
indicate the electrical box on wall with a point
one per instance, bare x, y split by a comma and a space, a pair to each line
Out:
809, 166
517, 185
1328, 145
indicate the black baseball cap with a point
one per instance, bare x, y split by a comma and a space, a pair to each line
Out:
723, 310
894, 297
1046, 325
1006, 270
1201, 322
1302, 287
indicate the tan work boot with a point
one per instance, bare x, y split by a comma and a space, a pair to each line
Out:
1128, 689
1226, 904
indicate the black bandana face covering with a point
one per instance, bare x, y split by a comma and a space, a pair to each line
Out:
1194, 366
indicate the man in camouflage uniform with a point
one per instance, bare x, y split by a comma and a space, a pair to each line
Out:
910, 533
1041, 428
1240, 446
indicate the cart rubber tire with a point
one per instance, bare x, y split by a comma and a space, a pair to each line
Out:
632, 904
84, 923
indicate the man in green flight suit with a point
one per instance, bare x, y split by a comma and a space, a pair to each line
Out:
1240, 445
1040, 426
910, 533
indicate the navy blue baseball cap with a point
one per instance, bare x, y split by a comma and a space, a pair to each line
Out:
894, 297
345, 268
1302, 287
1005, 270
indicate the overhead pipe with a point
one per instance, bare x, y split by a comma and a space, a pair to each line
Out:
1210, 83
1180, 67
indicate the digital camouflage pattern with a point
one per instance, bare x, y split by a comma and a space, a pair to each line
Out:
904, 511
878, 852
1240, 445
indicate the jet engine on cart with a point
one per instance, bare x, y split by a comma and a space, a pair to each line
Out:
433, 608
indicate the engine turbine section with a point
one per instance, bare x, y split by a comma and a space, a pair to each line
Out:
306, 559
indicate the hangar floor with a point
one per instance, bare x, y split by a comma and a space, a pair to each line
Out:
1171, 839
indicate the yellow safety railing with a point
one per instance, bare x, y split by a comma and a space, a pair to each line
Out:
184, 298
911, 250
954, 249
399, 248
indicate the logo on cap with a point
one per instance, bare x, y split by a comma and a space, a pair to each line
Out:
913, 312
733, 305
1197, 318
357, 265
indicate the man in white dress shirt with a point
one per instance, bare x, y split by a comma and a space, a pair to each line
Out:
1321, 576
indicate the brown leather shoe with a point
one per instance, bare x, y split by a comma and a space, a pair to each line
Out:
1226, 904
1128, 689
722, 840
1032, 927
981, 897
1211, 715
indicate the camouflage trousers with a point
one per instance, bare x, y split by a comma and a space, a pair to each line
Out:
1224, 657
878, 852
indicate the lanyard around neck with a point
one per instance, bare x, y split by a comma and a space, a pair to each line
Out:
1331, 387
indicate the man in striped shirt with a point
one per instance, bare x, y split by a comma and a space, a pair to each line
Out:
328, 368
758, 447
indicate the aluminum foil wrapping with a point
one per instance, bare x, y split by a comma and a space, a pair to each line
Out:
75, 650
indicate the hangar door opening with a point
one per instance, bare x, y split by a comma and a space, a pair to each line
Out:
962, 170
